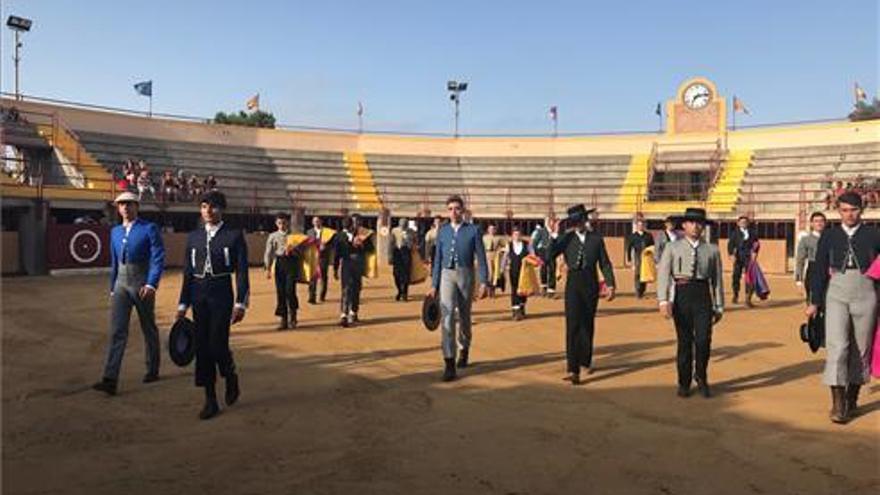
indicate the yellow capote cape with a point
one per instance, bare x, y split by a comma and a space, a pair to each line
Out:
418, 272
372, 268
529, 281
307, 250
648, 271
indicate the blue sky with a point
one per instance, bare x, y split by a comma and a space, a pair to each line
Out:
605, 64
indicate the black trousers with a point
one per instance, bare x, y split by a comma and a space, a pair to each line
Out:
286, 302
212, 314
637, 275
352, 280
548, 270
807, 280
402, 262
581, 301
739, 266
692, 311
324, 262
516, 300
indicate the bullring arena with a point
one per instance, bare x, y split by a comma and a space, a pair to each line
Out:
326, 409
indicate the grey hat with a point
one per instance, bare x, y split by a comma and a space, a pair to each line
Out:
127, 197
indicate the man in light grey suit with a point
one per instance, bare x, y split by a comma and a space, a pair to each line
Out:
668, 235
137, 259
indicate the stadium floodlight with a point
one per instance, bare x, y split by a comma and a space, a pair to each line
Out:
18, 25
455, 88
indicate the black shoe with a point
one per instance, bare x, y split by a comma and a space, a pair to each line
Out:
312, 300
405, 298
151, 377
210, 409
106, 385
354, 318
283, 324
463, 359
684, 392
343, 322
449, 370
704, 389
293, 322
397, 297
736, 299
574, 378
232, 390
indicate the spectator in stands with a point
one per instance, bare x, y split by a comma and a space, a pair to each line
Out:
195, 186
210, 183
145, 184
169, 187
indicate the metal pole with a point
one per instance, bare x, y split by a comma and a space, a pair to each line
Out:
151, 103
17, 58
456, 96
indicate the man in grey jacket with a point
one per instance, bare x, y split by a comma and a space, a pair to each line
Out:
806, 252
690, 290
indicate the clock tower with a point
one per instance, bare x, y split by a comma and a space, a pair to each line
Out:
697, 108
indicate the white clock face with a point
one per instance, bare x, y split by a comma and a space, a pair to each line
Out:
697, 96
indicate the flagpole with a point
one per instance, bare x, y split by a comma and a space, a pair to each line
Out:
733, 127
151, 105
555, 126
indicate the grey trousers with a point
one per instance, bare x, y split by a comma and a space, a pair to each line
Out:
850, 321
456, 291
125, 296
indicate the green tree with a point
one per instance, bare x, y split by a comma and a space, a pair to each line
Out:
866, 111
258, 118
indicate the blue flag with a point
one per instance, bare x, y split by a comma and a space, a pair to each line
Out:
144, 88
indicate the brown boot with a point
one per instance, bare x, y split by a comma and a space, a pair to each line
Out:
839, 406
852, 399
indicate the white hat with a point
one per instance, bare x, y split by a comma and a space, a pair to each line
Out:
127, 197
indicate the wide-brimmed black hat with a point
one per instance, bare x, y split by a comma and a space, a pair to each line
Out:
694, 215
813, 331
579, 213
431, 313
182, 342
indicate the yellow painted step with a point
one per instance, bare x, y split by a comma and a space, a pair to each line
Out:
635, 186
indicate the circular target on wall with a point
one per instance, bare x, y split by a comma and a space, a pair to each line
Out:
85, 246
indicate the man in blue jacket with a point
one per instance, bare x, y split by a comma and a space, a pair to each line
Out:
458, 246
137, 258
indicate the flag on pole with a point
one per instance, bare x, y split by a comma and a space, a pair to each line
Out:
859, 93
360, 109
658, 111
253, 102
144, 88
554, 112
739, 106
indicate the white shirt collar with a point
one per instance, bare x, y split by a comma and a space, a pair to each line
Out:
456, 226
212, 229
850, 231
693, 244
517, 246
582, 236
815, 234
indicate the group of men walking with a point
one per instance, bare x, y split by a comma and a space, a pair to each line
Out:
831, 266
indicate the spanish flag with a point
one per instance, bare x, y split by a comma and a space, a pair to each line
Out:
739, 106
253, 102
859, 93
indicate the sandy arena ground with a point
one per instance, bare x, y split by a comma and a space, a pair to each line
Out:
362, 411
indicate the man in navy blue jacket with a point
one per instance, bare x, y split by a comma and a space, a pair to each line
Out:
458, 246
215, 253
137, 259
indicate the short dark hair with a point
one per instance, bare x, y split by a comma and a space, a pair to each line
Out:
817, 214
850, 198
215, 199
455, 198
743, 217
516, 228
669, 219
282, 216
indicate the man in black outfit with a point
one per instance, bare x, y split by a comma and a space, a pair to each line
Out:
584, 251
634, 244
214, 253
739, 247
353, 243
